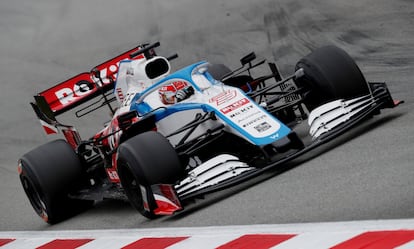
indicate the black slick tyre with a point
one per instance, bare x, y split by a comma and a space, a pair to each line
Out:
144, 160
330, 73
48, 174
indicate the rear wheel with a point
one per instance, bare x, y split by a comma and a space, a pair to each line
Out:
144, 160
330, 73
48, 174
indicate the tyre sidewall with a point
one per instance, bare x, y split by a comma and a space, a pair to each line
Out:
152, 158
147, 159
330, 73
52, 169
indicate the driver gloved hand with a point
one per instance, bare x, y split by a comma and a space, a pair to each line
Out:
184, 93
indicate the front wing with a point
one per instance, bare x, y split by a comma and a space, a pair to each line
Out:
357, 111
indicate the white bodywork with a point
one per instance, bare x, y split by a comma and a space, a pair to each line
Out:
240, 115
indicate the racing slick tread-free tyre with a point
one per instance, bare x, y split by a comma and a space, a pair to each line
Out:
48, 174
330, 74
144, 160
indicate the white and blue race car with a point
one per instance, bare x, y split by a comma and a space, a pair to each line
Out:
179, 135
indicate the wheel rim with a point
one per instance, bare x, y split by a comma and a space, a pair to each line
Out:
34, 197
131, 187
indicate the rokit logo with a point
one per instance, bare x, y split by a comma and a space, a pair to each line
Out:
81, 86
67, 95
84, 87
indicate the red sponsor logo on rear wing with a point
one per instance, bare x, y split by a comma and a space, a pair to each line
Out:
83, 87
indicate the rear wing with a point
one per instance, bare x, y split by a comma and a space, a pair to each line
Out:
85, 86
80, 89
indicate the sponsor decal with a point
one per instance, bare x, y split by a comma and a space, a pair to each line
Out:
127, 100
274, 136
112, 174
244, 117
179, 84
234, 106
120, 94
253, 121
84, 84
68, 94
242, 111
248, 118
288, 87
262, 127
83, 87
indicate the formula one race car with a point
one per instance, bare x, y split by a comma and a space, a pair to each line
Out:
175, 136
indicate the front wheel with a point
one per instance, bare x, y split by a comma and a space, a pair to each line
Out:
330, 74
144, 160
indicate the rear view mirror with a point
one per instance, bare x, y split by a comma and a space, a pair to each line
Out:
248, 58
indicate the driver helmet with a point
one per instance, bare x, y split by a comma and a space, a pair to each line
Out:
167, 92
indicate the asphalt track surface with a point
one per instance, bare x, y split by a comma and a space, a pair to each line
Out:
366, 174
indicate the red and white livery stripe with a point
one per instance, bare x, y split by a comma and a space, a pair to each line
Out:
49, 129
